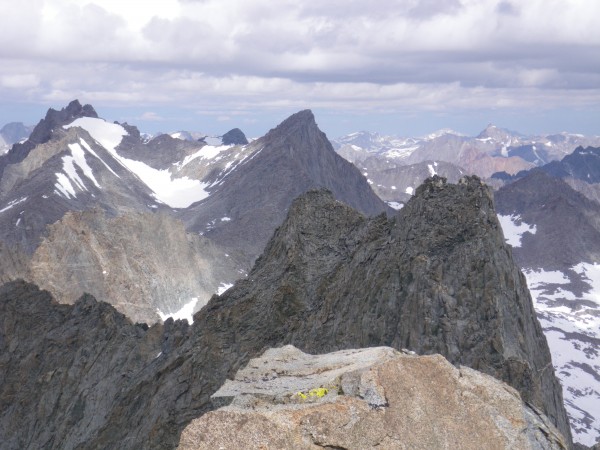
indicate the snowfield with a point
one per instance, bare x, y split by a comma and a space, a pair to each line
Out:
174, 192
571, 323
570, 318
514, 228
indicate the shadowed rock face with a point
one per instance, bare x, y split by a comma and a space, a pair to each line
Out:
436, 279
567, 224
234, 137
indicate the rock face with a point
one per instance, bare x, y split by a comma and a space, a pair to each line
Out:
567, 224
371, 398
234, 137
438, 278
145, 263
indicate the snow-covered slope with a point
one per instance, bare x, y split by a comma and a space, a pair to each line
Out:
177, 192
84, 164
555, 234
570, 316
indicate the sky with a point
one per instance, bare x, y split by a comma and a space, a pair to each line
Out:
401, 67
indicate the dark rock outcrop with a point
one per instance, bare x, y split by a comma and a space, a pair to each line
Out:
234, 137
436, 279
582, 164
567, 223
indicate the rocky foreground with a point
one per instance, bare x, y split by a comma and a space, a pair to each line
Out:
363, 399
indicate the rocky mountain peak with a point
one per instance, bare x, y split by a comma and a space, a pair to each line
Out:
582, 164
234, 137
437, 278
406, 280
14, 131
300, 122
55, 119
42, 132
494, 132
536, 190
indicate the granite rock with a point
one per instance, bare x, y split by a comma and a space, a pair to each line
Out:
289, 399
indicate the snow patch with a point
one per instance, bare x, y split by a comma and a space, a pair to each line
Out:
77, 158
225, 219
409, 190
108, 135
514, 228
12, 203
395, 205
223, 287
64, 186
185, 313
89, 149
174, 192
432, 171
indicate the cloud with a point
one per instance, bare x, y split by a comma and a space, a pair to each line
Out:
506, 7
342, 54
151, 116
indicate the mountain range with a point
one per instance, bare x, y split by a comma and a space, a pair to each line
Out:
80, 183
156, 225
328, 279
397, 165
550, 213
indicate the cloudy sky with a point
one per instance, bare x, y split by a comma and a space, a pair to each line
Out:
403, 67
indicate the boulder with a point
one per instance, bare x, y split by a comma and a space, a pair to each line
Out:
367, 398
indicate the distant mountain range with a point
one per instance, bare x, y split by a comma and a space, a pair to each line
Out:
396, 165
493, 148
11, 133
72, 194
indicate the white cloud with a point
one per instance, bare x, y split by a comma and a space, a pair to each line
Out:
427, 54
151, 116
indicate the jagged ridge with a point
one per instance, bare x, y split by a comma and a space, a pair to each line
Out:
437, 279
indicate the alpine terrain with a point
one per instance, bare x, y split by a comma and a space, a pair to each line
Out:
155, 225
549, 214
436, 278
